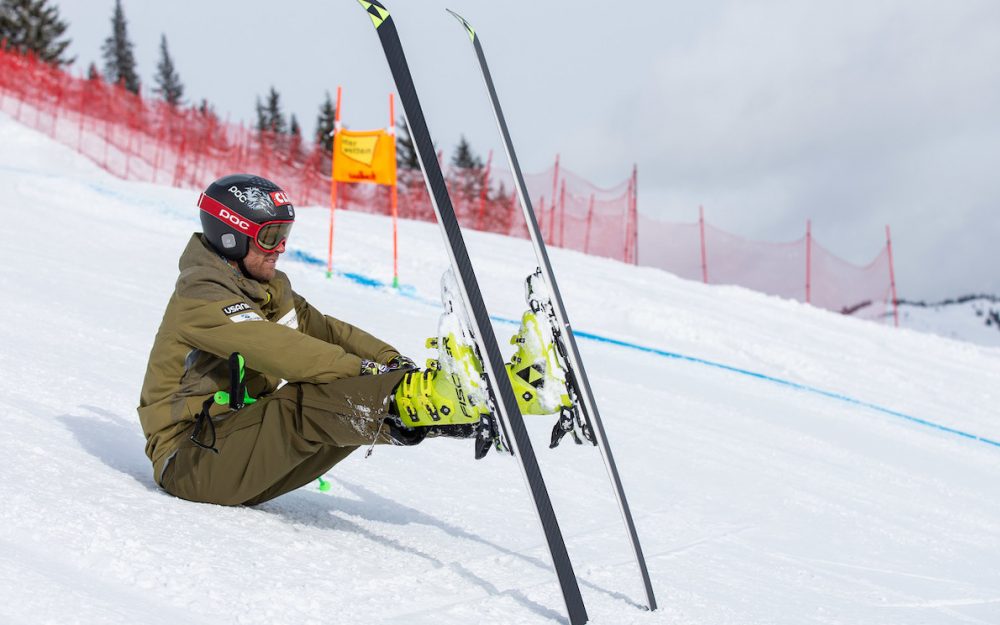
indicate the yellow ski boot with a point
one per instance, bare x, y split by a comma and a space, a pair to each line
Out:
535, 371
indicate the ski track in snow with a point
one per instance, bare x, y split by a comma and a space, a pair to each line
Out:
771, 499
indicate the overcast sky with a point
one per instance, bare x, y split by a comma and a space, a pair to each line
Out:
852, 113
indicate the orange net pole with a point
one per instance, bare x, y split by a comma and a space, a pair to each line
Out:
892, 277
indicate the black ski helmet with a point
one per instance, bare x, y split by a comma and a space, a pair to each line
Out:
235, 208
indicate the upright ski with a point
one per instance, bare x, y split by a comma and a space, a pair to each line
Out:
577, 376
501, 395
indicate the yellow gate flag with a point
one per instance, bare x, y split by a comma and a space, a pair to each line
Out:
364, 156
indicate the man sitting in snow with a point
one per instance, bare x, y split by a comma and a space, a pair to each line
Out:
250, 392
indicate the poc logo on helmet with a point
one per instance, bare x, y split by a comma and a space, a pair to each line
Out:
239, 194
234, 219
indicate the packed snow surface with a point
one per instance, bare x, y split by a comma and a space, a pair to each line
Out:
784, 464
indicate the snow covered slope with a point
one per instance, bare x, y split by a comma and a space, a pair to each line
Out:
784, 464
969, 318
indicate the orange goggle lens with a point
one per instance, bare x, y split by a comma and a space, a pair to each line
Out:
271, 235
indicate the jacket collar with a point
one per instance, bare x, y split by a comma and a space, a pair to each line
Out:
199, 253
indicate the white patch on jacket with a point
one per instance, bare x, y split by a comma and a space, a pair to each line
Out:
290, 319
248, 316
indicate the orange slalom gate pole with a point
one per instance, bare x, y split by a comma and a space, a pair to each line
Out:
333, 190
395, 228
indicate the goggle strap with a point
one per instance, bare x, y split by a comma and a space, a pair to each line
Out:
218, 210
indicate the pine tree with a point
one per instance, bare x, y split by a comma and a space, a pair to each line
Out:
261, 116
119, 60
269, 115
207, 110
168, 83
325, 122
498, 209
464, 157
295, 131
466, 175
32, 26
276, 119
92, 73
406, 153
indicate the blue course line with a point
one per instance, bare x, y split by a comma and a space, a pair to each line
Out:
409, 292
787, 383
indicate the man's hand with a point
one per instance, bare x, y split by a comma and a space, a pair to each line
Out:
370, 367
400, 362
396, 363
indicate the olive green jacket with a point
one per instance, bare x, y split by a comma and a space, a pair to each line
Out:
216, 311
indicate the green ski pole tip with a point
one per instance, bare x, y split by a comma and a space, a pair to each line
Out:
324, 486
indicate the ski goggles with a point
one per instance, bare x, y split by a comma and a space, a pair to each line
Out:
267, 236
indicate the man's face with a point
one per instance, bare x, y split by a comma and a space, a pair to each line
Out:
260, 264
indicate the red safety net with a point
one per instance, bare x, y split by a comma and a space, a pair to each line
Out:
147, 140
583, 217
802, 270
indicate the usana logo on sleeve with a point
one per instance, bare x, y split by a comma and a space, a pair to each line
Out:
235, 308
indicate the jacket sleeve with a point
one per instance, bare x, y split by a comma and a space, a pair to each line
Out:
352, 339
217, 327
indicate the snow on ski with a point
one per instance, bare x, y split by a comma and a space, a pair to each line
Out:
502, 395
578, 377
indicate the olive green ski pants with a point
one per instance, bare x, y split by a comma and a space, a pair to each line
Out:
282, 441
